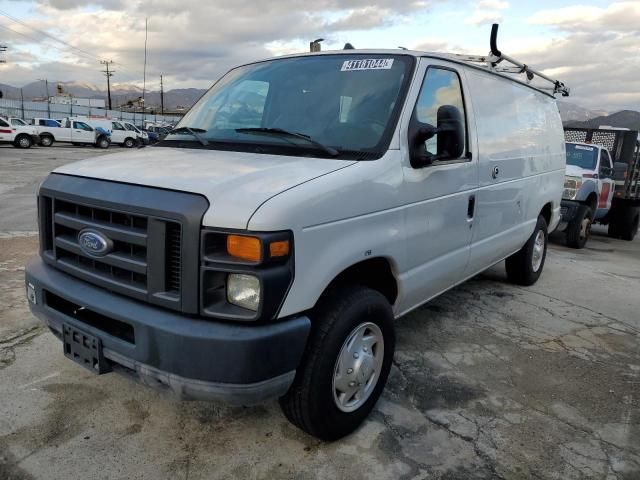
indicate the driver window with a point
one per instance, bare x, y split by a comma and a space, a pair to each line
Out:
117, 126
605, 160
440, 87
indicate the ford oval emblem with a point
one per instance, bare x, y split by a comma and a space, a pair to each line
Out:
94, 243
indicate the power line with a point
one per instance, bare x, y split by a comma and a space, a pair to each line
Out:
108, 74
2, 50
78, 51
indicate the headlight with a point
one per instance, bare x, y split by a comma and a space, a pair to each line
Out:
571, 187
243, 290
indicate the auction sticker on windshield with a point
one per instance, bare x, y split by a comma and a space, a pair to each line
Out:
367, 64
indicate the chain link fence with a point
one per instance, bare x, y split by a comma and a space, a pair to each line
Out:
30, 110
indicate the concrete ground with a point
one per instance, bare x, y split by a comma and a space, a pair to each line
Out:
489, 381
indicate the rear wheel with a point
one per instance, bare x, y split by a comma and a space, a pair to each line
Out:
345, 365
525, 266
629, 223
579, 229
23, 141
46, 140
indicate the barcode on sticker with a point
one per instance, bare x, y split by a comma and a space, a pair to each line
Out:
367, 64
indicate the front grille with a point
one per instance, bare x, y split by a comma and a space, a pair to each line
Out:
127, 261
145, 258
173, 246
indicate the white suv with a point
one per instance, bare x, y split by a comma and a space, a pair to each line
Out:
16, 131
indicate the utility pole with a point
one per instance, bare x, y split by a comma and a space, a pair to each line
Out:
161, 97
46, 84
144, 68
108, 73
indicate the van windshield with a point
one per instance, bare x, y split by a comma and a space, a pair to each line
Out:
301, 106
582, 156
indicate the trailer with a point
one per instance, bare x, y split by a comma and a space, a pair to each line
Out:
609, 192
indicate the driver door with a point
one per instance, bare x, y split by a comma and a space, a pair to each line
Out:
606, 184
82, 132
440, 198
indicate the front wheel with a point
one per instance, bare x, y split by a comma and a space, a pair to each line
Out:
103, 142
345, 365
579, 229
525, 266
129, 142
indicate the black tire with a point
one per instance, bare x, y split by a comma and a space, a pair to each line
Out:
309, 404
579, 229
520, 265
23, 141
46, 140
129, 142
629, 222
103, 142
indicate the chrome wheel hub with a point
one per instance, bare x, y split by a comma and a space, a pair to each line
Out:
585, 228
358, 367
538, 251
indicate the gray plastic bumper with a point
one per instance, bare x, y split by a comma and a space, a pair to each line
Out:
195, 358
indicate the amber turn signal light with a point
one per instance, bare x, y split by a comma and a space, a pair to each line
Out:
245, 248
279, 249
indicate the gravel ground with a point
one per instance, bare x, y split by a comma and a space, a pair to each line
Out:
490, 380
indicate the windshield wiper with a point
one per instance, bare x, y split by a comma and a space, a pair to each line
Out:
279, 131
193, 131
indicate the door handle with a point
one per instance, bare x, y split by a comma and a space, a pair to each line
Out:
495, 172
471, 207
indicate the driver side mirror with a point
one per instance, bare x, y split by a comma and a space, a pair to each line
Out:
606, 172
450, 138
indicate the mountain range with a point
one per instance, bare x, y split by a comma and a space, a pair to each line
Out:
120, 94
571, 114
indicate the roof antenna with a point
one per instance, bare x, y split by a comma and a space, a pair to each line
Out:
348, 46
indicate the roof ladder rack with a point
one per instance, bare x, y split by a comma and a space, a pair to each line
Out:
495, 57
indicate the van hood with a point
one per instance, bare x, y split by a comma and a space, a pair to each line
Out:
235, 183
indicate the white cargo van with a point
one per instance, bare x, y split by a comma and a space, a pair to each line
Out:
265, 247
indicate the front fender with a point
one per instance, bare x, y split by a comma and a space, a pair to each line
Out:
587, 188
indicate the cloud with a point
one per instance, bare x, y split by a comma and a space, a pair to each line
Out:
618, 16
191, 42
487, 12
594, 51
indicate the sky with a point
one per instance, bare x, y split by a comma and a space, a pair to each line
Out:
593, 46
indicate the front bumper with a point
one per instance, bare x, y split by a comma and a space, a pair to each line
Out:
568, 209
195, 358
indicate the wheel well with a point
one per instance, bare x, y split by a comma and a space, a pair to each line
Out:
546, 213
374, 273
592, 201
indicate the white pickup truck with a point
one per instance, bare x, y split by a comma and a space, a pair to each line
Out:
266, 245
16, 131
72, 130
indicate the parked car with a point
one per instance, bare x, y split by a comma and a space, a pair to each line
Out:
602, 184
266, 245
73, 130
16, 131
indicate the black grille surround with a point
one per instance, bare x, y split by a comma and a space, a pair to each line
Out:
155, 234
